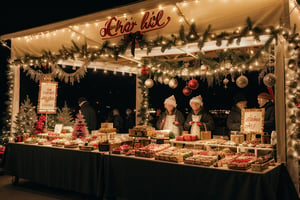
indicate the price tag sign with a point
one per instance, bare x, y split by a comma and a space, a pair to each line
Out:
252, 120
47, 97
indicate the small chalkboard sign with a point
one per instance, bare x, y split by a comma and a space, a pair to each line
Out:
252, 120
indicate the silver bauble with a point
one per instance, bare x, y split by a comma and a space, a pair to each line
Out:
269, 80
149, 83
173, 83
242, 81
166, 80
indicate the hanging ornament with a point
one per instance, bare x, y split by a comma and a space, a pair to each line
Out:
291, 63
144, 70
187, 91
225, 82
166, 80
149, 83
269, 80
227, 64
242, 81
173, 83
203, 68
193, 84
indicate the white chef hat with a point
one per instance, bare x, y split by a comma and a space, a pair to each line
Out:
171, 100
197, 99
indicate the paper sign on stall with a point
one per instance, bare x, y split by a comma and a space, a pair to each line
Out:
47, 97
252, 120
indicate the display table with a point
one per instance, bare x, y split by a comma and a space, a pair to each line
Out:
68, 169
120, 177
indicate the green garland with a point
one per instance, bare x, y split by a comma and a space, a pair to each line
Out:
133, 40
143, 112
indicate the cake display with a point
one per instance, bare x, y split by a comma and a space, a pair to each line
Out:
141, 131
242, 162
150, 150
204, 160
174, 154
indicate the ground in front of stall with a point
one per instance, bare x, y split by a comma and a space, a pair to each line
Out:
27, 190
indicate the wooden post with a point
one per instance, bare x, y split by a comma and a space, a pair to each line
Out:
15, 96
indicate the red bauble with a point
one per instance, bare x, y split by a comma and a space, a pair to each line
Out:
193, 84
144, 70
187, 91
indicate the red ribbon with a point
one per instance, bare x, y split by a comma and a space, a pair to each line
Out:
270, 89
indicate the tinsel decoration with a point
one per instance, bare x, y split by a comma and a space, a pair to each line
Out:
269, 80
242, 81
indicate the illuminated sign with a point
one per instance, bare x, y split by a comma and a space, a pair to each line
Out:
150, 21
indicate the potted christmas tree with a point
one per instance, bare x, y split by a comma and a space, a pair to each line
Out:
80, 128
25, 120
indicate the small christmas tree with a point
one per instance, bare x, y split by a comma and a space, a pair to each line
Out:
25, 119
64, 116
80, 129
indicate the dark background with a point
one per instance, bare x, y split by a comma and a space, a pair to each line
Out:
104, 91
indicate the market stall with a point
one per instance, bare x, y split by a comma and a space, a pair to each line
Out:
219, 38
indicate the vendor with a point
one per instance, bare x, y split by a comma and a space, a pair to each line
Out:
198, 119
234, 118
171, 119
265, 101
88, 112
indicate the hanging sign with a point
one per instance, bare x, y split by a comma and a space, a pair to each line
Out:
252, 120
117, 26
47, 97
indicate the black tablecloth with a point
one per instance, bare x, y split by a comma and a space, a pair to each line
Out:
133, 178
68, 169
120, 177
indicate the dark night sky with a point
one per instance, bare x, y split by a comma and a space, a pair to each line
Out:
107, 89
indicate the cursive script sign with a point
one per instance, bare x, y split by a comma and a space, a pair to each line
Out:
252, 120
47, 97
150, 21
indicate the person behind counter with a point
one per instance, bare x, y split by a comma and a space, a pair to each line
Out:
171, 119
265, 101
198, 117
129, 120
89, 114
115, 118
234, 118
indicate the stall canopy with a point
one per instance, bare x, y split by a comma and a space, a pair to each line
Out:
96, 37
